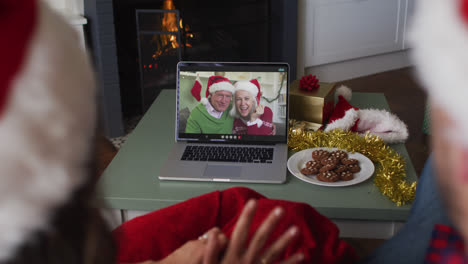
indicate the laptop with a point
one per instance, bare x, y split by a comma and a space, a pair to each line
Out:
230, 142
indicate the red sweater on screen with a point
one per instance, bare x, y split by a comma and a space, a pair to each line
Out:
241, 128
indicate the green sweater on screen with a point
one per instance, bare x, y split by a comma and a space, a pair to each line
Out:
200, 121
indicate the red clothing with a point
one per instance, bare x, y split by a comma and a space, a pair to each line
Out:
266, 128
157, 234
446, 246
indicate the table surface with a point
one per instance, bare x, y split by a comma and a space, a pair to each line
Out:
130, 181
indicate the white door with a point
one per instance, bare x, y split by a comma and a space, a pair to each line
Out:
338, 30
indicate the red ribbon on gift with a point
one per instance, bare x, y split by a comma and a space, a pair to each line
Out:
309, 83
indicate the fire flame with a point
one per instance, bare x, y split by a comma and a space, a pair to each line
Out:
169, 23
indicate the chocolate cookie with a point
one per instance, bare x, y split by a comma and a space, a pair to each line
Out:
328, 176
320, 154
313, 164
347, 161
327, 167
346, 176
328, 161
339, 154
354, 168
340, 168
309, 171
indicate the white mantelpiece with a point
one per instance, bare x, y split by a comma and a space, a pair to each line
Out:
72, 7
73, 12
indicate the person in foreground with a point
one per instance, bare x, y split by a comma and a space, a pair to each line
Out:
250, 117
277, 232
437, 229
49, 210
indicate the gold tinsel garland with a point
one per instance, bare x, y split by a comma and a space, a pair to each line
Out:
390, 166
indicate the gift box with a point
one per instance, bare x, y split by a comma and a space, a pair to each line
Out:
312, 106
303, 126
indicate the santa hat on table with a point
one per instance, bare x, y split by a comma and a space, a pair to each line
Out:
47, 119
377, 122
439, 39
215, 83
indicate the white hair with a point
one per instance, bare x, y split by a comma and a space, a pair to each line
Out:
234, 112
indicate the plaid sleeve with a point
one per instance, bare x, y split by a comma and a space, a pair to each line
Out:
446, 246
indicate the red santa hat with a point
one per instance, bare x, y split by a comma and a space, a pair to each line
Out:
378, 122
439, 39
215, 83
47, 93
344, 116
251, 86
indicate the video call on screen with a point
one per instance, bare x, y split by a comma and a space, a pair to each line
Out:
229, 115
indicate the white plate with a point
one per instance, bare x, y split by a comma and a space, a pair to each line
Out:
297, 161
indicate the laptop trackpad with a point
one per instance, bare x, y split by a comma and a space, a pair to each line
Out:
222, 171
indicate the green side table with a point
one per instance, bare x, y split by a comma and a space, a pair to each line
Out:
130, 184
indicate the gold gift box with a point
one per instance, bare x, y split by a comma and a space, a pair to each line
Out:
298, 126
315, 107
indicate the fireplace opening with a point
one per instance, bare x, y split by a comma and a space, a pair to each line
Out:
151, 36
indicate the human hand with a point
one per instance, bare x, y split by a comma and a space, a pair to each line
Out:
273, 131
259, 110
236, 251
192, 251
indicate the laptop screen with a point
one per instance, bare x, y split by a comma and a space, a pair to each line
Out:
232, 102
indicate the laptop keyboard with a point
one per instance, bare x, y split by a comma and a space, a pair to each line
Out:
228, 154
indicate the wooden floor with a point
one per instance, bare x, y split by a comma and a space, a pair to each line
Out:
406, 100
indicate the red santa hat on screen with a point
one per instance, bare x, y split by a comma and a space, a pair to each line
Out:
377, 122
215, 83
251, 86
439, 39
47, 93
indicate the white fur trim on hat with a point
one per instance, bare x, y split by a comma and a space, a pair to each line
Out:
246, 86
346, 122
439, 40
378, 122
382, 124
46, 131
221, 86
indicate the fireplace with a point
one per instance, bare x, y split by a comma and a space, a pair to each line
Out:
137, 43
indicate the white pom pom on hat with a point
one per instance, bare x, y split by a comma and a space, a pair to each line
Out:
344, 91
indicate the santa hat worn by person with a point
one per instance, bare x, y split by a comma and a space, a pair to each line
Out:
377, 122
215, 83
252, 86
47, 121
439, 39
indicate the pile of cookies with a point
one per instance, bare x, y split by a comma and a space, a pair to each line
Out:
331, 166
